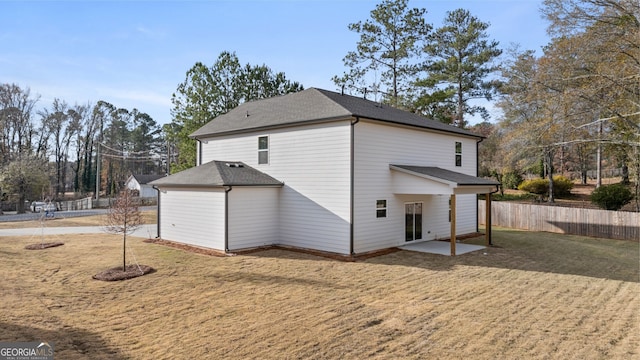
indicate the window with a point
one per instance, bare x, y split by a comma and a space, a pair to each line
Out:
458, 153
263, 150
381, 208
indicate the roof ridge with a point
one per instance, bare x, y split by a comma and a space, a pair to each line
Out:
323, 92
315, 104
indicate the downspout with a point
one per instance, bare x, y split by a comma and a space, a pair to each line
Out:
352, 185
157, 213
199, 159
488, 222
226, 218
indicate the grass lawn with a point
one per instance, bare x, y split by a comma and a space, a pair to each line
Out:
535, 296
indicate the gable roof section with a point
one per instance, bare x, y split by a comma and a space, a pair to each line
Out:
313, 105
217, 174
438, 174
145, 179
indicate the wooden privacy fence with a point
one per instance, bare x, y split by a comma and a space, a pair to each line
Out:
576, 221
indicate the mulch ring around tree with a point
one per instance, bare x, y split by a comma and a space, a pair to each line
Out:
131, 271
42, 246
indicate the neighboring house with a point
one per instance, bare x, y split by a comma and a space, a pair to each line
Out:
324, 171
141, 183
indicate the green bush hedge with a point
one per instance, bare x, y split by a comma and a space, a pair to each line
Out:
511, 180
561, 186
611, 197
535, 186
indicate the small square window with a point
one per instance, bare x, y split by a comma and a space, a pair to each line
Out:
381, 208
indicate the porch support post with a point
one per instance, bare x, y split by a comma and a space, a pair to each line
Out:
487, 222
453, 224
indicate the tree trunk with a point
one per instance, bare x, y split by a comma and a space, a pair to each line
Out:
599, 159
20, 206
124, 251
549, 163
625, 174
636, 156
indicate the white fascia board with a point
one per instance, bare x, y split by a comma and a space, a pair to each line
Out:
451, 184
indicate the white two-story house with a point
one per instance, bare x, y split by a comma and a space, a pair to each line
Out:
324, 171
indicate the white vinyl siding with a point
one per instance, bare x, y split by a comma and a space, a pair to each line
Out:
314, 163
194, 217
377, 146
253, 217
466, 214
147, 191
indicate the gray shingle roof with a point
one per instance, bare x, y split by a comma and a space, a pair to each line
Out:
216, 174
145, 179
447, 175
314, 105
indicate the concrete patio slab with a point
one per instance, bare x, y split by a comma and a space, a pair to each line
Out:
441, 247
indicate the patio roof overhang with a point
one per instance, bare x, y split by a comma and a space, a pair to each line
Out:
410, 179
430, 180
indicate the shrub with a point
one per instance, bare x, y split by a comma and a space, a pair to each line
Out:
561, 186
535, 186
511, 180
611, 197
509, 197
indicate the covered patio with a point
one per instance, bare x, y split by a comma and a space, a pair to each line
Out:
429, 180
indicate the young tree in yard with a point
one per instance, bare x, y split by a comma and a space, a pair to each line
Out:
124, 217
463, 59
389, 44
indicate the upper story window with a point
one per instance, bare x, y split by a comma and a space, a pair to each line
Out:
458, 153
263, 150
381, 208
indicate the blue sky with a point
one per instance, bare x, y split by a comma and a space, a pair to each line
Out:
133, 54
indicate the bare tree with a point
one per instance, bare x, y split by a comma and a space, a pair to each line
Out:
124, 217
16, 128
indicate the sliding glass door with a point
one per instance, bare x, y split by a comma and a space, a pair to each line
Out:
413, 221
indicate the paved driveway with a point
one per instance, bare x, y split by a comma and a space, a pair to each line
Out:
61, 214
146, 231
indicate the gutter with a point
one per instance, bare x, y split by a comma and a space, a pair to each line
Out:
226, 217
197, 136
454, 131
157, 213
352, 185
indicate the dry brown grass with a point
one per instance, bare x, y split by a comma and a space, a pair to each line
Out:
94, 220
537, 296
